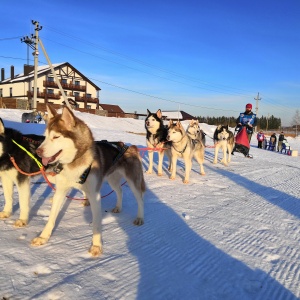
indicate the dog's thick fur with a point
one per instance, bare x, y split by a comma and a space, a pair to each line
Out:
10, 175
69, 142
156, 138
184, 147
224, 139
195, 133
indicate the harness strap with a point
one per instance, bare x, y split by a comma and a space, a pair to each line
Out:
182, 151
84, 175
121, 150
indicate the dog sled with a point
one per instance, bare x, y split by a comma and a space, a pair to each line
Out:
242, 144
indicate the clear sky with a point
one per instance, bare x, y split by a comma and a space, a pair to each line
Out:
208, 58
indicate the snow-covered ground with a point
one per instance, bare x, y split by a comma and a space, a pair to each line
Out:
231, 234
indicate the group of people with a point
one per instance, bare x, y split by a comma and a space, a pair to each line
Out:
273, 139
248, 119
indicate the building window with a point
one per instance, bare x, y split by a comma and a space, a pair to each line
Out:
66, 93
10, 92
77, 82
88, 106
88, 95
64, 81
1, 93
76, 94
51, 79
50, 91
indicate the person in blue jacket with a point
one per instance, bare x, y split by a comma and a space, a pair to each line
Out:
247, 119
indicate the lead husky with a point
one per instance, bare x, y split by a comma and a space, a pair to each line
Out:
156, 137
9, 141
84, 165
183, 146
224, 139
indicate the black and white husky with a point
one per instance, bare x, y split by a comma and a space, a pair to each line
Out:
224, 139
156, 138
11, 142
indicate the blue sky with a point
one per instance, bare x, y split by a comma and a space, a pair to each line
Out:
208, 58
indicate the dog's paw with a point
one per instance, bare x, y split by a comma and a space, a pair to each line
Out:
172, 177
215, 162
95, 250
116, 210
203, 173
159, 174
4, 215
20, 223
86, 202
138, 221
38, 241
185, 181
149, 172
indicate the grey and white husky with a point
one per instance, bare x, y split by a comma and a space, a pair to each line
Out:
184, 147
84, 165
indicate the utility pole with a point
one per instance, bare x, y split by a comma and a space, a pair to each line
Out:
36, 61
33, 42
256, 108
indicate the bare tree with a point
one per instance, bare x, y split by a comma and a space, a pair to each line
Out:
296, 120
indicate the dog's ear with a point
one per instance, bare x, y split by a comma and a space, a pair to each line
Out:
159, 114
226, 127
2, 128
179, 125
68, 117
148, 111
219, 127
170, 123
51, 112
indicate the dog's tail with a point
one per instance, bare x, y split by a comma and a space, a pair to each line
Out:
139, 180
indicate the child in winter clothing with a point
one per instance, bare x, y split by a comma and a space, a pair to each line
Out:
260, 138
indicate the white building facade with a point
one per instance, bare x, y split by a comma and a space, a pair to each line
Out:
75, 86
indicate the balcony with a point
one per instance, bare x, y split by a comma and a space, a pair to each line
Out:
66, 86
87, 99
46, 95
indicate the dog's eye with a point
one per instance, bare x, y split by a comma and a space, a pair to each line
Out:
56, 137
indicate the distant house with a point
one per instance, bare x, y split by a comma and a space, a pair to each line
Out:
76, 86
112, 110
177, 115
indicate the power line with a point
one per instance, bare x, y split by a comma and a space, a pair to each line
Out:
218, 86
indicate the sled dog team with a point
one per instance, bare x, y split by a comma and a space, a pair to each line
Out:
177, 142
68, 149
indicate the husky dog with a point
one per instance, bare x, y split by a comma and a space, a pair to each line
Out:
195, 133
156, 137
10, 142
84, 165
183, 146
224, 139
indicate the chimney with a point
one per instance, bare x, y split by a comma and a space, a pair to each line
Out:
28, 69
2, 74
12, 72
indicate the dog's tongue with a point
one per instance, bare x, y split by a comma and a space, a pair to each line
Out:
46, 160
